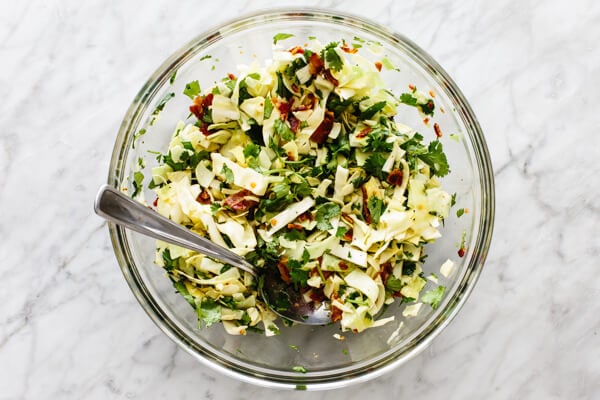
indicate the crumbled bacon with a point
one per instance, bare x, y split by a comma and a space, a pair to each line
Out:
438, 131
412, 87
295, 226
239, 201
330, 78
385, 271
366, 212
348, 235
349, 50
395, 177
200, 106
317, 295
304, 217
283, 270
296, 50
203, 197
231, 76
284, 108
336, 313
322, 132
343, 266
315, 64
294, 123
363, 132
378, 65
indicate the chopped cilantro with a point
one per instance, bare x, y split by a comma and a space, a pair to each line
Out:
393, 284
205, 57
341, 231
172, 78
283, 130
374, 164
182, 289
436, 159
460, 212
227, 173
192, 89
331, 56
139, 133
376, 208
208, 312
299, 368
372, 110
138, 178
251, 150
281, 36
376, 141
325, 212
433, 297
160, 106
426, 108
268, 108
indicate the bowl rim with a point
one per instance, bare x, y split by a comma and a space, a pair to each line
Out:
369, 370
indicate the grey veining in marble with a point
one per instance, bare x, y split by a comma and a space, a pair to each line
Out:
71, 329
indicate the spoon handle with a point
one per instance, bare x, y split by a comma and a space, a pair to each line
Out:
115, 206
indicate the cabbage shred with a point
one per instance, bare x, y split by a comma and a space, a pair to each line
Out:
299, 166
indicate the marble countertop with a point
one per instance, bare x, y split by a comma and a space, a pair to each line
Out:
70, 327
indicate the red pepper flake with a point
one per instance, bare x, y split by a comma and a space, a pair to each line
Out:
155, 203
378, 65
239, 202
315, 64
349, 50
322, 132
330, 78
461, 252
438, 131
296, 50
395, 177
203, 197
442, 110
363, 132
412, 87
231, 76
426, 120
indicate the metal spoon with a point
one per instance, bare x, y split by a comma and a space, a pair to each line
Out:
282, 298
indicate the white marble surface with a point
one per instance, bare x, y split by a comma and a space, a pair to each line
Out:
71, 329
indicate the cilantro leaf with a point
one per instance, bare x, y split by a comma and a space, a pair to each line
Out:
138, 178
371, 111
436, 159
333, 59
433, 297
192, 89
182, 289
326, 212
341, 231
268, 108
374, 164
281, 36
208, 312
251, 150
283, 130
294, 235
376, 208
160, 106
299, 368
227, 173
376, 141
297, 274
460, 212
172, 78
426, 108
393, 284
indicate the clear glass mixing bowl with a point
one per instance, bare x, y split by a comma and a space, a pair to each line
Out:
329, 362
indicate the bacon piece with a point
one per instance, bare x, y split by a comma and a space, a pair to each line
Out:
317, 295
343, 266
203, 197
231, 76
330, 78
378, 65
315, 64
336, 313
438, 131
363, 132
296, 50
201, 104
307, 216
348, 235
284, 108
320, 134
349, 50
239, 202
283, 270
366, 212
395, 177
294, 123
295, 226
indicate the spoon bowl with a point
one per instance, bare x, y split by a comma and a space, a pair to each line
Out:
283, 299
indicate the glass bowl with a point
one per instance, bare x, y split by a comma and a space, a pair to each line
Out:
329, 362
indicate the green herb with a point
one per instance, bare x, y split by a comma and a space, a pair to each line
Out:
214, 207
227, 173
208, 312
251, 150
299, 368
333, 59
371, 111
281, 36
243, 93
282, 91
206, 57
274, 329
312, 37
376, 141
407, 300
160, 106
172, 78
283, 130
426, 108
453, 200
393, 284
460, 212
192, 89
345, 352
325, 212
436, 159
300, 387
169, 263
297, 274
268, 108
139, 133
182, 289
433, 297
295, 235
293, 347
138, 179
374, 164
408, 268
341, 231
376, 208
